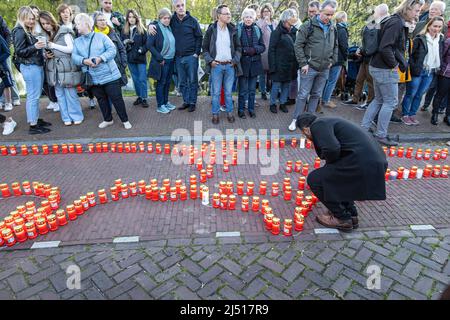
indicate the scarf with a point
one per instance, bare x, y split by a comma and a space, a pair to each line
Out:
105, 31
432, 59
168, 39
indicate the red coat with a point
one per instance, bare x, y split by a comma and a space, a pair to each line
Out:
448, 30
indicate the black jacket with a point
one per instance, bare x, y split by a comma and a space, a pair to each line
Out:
188, 35
355, 163
252, 48
24, 49
342, 33
4, 31
419, 52
283, 64
121, 55
134, 55
155, 45
391, 51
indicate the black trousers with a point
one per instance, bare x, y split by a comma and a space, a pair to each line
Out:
2, 118
442, 92
343, 210
50, 92
108, 93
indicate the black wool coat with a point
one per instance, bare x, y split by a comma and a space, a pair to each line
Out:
283, 64
251, 61
355, 163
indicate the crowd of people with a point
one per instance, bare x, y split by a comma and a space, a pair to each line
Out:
405, 54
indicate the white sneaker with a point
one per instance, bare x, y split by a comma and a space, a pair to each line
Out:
8, 107
56, 107
293, 125
67, 123
8, 127
51, 106
16, 102
127, 125
105, 124
78, 122
1, 105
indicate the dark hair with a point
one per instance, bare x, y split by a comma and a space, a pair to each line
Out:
219, 8
305, 120
32, 6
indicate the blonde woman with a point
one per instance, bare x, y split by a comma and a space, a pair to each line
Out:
134, 38
29, 55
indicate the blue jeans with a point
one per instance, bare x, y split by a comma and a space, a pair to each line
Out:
187, 70
335, 71
222, 75
247, 92
415, 89
163, 85
34, 81
312, 85
69, 104
262, 78
283, 88
139, 76
385, 84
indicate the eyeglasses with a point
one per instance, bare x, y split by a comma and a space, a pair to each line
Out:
225, 14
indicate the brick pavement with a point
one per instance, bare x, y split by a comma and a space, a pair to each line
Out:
317, 267
77, 174
149, 123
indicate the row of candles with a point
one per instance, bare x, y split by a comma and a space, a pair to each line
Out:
141, 147
415, 173
427, 154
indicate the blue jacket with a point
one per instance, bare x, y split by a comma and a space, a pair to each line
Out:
4, 53
155, 45
102, 47
188, 35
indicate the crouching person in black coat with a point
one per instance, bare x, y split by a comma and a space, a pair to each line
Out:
354, 170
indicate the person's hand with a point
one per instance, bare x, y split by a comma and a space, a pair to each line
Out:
40, 44
152, 29
50, 45
195, 55
162, 63
305, 69
97, 60
127, 41
49, 55
115, 21
330, 65
88, 62
214, 64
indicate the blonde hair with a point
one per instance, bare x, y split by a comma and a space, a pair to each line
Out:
22, 16
139, 26
85, 18
340, 16
164, 12
433, 20
406, 5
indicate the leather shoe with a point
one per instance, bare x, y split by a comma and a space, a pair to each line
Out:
330, 221
447, 120
355, 222
434, 119
273, 108
43, 123
252, 114
191, 108
283, 108
241, 115
215, 119
230, 118
184, 106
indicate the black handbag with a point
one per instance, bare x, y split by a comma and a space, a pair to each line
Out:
86, 78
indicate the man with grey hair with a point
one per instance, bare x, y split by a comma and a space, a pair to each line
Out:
316, 49
313, 9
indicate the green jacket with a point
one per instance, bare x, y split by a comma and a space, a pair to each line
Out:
314, 48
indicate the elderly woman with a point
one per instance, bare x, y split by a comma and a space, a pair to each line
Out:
282, 61
162, 48
252, 45
29, 54
335, 71
95, 52
61, 72
101, 26
267, 26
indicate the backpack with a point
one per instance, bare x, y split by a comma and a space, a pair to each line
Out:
239, 31
311, 30
371, 39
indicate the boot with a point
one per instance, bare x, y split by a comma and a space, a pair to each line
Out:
273, 108
434, 118
283, 108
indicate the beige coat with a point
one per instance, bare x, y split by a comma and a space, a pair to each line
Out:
266, 32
